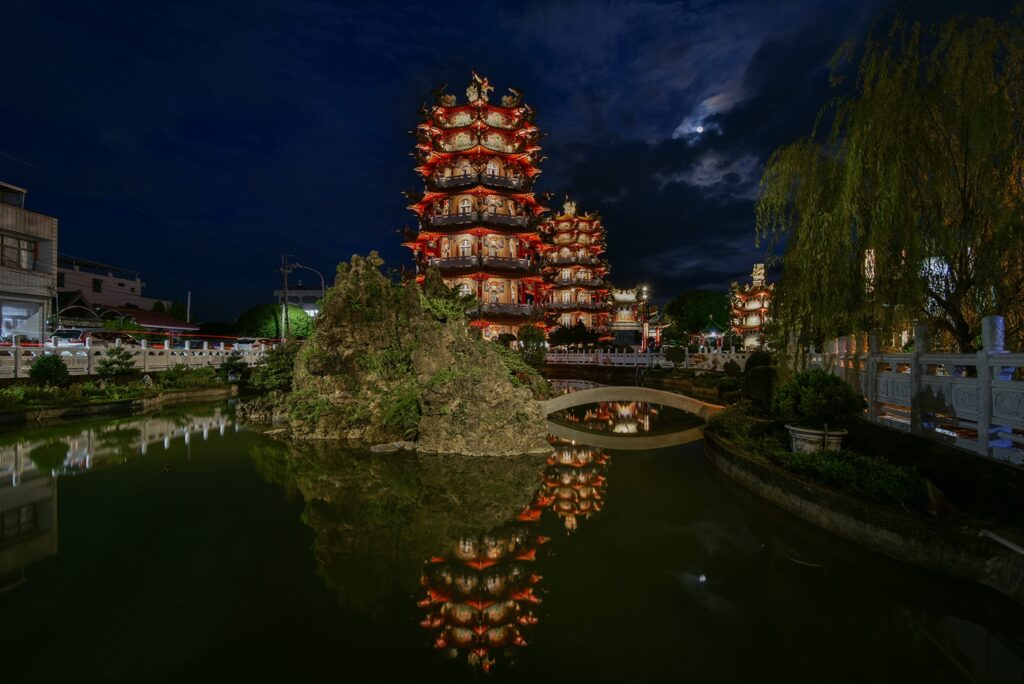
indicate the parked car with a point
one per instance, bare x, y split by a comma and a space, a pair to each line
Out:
251, 343
106, 339
69, 337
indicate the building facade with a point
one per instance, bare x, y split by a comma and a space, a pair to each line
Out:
750, 308
574, 271
306, 297
103, 284
28, 267
478, 216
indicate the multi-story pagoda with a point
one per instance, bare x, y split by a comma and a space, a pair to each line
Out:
574, 270
750, 304
478, 214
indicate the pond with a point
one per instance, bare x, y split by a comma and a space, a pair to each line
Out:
180, 545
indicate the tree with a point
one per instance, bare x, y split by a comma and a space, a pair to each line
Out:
49, 370
117, 364
532, 347
265, 321
689, 312
906, 202
178, 310
577, 334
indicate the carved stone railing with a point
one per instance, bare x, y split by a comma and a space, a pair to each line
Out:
454, 219
969, 400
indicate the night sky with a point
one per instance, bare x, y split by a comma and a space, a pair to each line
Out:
197, 141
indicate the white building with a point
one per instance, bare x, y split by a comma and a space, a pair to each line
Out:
28, 267
103, 284
307, 298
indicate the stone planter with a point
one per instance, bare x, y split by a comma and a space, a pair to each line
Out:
808, 440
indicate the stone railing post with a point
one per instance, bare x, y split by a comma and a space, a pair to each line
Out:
922, 345
16, 350
993, 339
145, 355
871, 372
88, 355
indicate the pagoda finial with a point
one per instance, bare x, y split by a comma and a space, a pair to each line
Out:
757, 275
478, 88
569, 207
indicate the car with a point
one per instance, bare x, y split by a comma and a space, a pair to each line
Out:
105, 339
69, 337
251, 343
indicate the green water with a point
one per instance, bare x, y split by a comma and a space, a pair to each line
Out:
235, 557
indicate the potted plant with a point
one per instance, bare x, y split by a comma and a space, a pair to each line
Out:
816, 407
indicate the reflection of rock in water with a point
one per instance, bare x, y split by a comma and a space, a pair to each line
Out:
377, 516
480, 591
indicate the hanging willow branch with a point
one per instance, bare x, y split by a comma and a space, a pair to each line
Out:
906, 202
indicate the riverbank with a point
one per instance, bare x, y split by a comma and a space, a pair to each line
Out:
137, 405
950, 547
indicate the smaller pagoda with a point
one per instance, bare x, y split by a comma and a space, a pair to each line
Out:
574, 271
750, 304
626, 323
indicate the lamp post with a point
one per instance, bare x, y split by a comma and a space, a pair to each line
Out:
323, 283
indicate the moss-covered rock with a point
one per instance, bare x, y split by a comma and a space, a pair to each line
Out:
391, 361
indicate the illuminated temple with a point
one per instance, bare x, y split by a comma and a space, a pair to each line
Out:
750, 304
477, 214
574, 269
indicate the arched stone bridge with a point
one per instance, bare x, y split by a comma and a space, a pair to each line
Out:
623, 393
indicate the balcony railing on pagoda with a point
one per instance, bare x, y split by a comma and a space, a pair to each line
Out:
491, 262
506, 263
454, 219
503, 220
578, 282
487, 309
576, 306
444, 182
572, 259
461, 262
496, 181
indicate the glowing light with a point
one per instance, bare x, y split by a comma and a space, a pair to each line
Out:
699, 129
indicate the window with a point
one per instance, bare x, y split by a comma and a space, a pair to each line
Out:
60, 280
465, 205
18, 521
21, 318
465, 248
120, 284
97, 285
465, 289
18, 253
566, 296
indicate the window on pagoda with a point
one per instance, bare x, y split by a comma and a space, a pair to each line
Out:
464, 168
492, 203
465, 205
465, 248
492, 168
566, 274
465, 289
566, 320
566, 296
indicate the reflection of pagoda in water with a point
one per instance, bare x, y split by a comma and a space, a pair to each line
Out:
480, 594
619, 417
574, 482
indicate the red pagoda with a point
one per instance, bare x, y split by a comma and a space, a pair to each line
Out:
750, 304
574, 270
478, 213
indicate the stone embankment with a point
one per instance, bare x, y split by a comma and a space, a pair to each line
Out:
899, 534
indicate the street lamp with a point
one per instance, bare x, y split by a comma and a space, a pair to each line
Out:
323, 283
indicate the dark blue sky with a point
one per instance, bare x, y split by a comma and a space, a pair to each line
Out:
196, 141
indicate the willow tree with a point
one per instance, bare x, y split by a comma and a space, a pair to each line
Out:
906, 202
